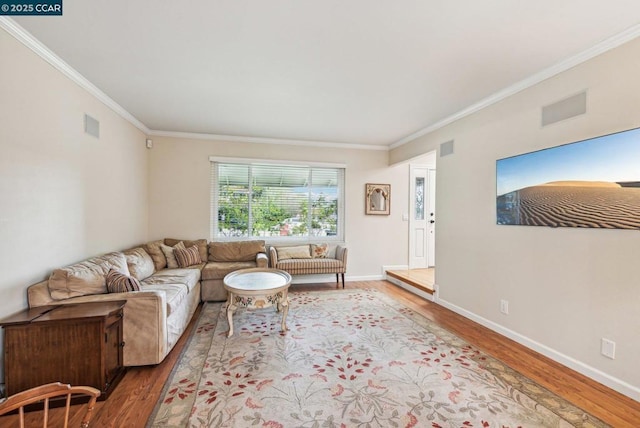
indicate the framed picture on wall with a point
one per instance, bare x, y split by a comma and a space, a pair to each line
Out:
377, 199
592, 183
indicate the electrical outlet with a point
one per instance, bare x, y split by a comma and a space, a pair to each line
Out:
504, 306
608, 348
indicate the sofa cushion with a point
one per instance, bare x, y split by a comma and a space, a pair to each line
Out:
217, 270
297, 252
174, 293
86, 277
187, 278
187, 257
200, 243
319, 251
154, 250
140, 263
237, 251
172, 263
120, 283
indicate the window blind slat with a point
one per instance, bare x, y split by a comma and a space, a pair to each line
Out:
276, 201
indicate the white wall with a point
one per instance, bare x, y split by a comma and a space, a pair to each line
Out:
567, 288
64, 195
180, 195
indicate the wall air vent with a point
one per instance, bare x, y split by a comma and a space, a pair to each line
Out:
91, 126
446, 148
565, 109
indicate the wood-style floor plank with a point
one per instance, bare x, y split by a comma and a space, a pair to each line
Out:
134, 399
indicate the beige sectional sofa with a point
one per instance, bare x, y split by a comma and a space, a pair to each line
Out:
156, 316
310, 259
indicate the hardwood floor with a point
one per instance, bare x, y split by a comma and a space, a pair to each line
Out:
135, 397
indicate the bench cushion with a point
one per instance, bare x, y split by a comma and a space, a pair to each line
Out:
311, 266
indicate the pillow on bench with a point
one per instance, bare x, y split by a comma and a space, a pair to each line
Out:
297, 252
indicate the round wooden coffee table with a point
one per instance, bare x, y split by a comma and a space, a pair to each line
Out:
257, 288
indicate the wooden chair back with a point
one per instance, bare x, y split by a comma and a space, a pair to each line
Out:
43, 394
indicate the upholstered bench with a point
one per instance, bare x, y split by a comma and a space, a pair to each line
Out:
310, 259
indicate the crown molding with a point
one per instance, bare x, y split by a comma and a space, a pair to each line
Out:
263, 140
598, 49
23, 36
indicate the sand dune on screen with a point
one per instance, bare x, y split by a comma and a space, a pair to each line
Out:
574, 204
581, 184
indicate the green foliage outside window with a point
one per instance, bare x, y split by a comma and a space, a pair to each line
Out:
279, 205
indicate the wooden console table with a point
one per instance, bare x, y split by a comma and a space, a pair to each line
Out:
79, 344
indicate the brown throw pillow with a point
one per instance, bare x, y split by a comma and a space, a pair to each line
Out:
187, 257
121, 283
154, 250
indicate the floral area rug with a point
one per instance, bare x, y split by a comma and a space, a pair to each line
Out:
349, 359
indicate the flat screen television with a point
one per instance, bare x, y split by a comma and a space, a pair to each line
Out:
591, 183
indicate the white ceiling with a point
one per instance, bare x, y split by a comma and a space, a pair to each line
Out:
367, 72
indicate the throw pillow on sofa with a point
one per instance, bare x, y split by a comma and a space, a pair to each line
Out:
172, 263
120, 283
200, 243
86, 277
154, 250
140, 264
319, 251
187, 257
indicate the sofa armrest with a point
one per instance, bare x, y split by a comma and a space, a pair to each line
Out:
262, 261
341, 254
39, 295
273, 256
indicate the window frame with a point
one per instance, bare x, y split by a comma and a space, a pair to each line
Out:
215, 194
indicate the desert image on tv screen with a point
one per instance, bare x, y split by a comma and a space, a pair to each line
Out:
591, 183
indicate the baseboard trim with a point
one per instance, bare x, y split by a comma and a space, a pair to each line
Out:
393, 267
364, 278
612, 382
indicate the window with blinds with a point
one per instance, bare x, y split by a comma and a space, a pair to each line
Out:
278, 202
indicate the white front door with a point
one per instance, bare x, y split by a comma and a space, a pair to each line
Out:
418, 218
